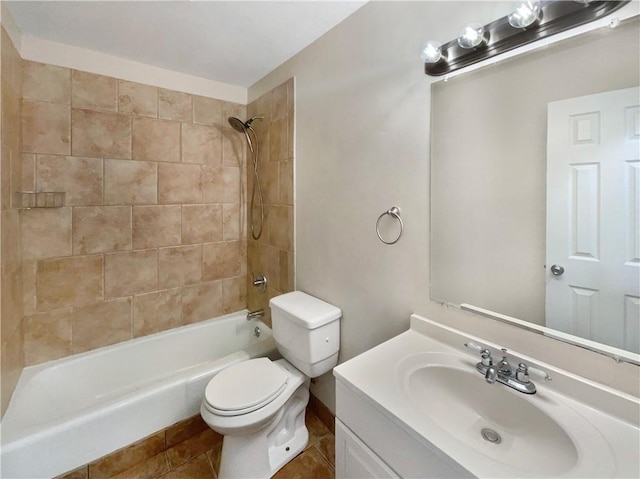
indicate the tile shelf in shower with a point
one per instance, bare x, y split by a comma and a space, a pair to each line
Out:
39, 199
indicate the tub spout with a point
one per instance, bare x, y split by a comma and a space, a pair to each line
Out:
257, 314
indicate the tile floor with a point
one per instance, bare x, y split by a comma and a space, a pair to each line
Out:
190, 450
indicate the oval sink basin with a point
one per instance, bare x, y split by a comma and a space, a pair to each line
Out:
501, 424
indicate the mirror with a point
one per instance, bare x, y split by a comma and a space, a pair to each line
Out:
520, 182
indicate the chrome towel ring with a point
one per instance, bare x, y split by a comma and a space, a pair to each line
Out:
394, 212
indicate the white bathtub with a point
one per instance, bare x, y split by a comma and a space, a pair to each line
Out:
68, 412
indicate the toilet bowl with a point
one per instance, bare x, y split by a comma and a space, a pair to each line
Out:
259, 404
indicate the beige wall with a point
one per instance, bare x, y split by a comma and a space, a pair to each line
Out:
488, 185
272, 254
11, 327
362, 145
151, 235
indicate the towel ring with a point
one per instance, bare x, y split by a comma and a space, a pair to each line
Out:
394, 212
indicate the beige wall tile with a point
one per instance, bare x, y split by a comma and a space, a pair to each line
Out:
101, 324
155, 226
137, 99
130, 182
156, 140
208, 111
67, 282
45, 128
157, 311
45, 82
281, 227
12, 311
95, 92
269, 263
285, 182
222, 260
278, 150
99, 229
28, 181
180, 265
47, 336
220, 184
46, 232
133, 272
179, 183
279, 106
269, 182
233, 109
234, 294
80, 178
174, 105
201, 223
232, 216
233, 148
201, 301
100, 135
286, 272
5, 180
29, 287
201, 144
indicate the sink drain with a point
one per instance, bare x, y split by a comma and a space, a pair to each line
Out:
491, 436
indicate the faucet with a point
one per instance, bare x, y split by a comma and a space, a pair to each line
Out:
257, 314
504, 373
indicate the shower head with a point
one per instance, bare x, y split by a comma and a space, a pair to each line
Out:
237, 124
240, 125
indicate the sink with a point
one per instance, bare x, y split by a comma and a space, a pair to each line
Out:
520, 432
491, 419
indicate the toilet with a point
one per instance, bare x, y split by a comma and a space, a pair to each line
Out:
259, 404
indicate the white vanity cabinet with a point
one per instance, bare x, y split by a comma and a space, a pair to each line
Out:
371, 445
355, 460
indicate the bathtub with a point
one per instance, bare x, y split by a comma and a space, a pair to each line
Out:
69, 412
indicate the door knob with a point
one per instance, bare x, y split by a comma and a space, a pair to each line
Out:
557, 270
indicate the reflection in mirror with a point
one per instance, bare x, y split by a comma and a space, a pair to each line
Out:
535, 188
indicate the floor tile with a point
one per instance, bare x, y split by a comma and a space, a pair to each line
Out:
198, 468
308, 465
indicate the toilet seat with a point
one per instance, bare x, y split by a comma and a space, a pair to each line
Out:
245, 387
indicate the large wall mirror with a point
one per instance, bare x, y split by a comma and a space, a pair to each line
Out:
535, 189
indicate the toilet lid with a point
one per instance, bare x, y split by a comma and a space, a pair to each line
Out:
245, 386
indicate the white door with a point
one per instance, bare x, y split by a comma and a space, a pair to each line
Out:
593, 217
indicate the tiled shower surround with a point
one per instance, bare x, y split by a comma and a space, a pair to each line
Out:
273, 254
152, 234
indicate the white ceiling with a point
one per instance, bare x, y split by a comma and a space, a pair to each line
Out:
235, 42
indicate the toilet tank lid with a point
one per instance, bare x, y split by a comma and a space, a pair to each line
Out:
305, 310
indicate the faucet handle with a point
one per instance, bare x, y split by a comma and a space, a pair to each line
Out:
538, 373
485, 354
525, 371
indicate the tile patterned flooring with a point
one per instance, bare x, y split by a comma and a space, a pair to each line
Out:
190, 450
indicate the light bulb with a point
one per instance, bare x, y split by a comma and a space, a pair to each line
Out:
471, 36
524, 14
431, 52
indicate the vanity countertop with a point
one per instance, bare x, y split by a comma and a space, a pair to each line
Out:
424, 381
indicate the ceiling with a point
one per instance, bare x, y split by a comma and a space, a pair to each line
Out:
235, 42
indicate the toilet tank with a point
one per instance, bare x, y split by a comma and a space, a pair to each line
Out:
306, 331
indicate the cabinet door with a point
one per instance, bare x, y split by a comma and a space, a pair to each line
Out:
354, 460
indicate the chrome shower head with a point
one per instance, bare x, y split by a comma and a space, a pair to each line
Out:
240, 125
237, 124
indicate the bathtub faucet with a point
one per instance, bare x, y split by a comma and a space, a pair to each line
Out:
257, 314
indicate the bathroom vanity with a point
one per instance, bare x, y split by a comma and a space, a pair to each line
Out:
416, 406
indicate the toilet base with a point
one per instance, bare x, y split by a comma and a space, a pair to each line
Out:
261, 454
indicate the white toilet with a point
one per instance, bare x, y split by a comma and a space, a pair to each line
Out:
259, 404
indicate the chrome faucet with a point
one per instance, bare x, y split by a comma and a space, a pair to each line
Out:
504, 373
257, 314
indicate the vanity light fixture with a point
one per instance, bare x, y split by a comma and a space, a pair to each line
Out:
472, 36
530, 20
524, 14
431, 52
